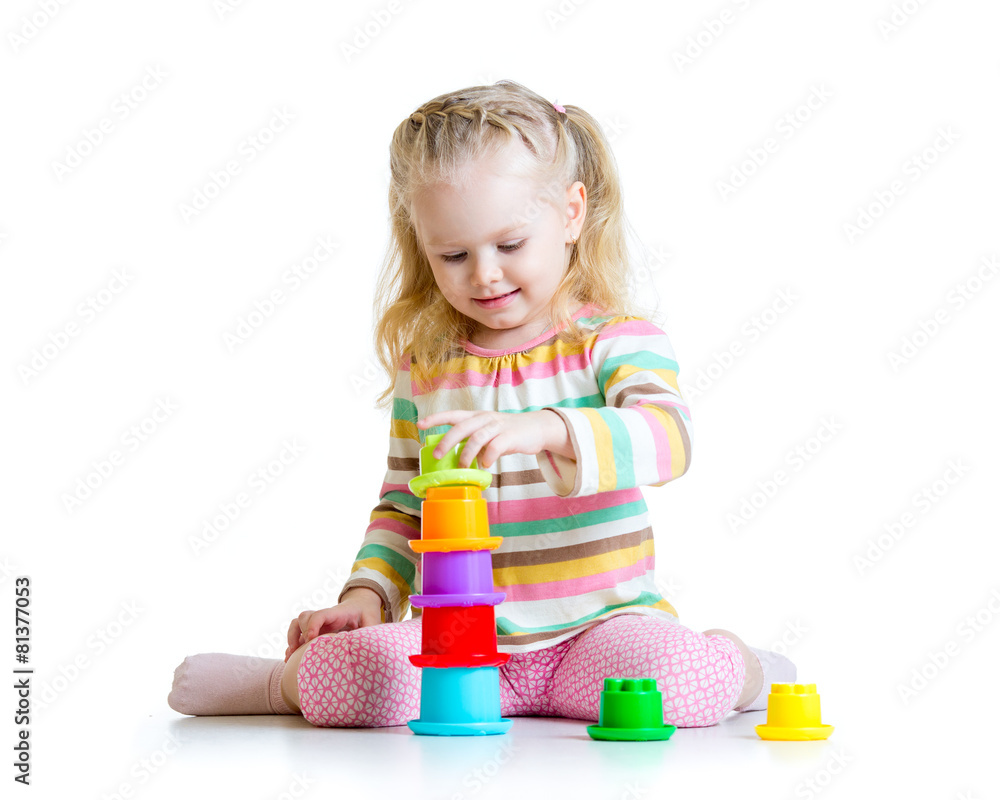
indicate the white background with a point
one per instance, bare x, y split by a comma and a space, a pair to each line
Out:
120, 595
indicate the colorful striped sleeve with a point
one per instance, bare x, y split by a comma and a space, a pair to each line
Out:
385, 563
642, 434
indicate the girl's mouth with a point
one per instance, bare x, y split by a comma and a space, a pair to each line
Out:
496, 302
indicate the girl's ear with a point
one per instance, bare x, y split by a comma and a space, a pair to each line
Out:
576, 209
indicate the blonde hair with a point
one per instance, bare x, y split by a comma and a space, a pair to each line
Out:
433, 145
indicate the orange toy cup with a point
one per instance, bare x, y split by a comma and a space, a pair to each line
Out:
454, 518
454, 512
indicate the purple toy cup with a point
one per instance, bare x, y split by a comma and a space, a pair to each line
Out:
457, 572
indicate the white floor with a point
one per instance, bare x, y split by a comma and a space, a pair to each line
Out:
111, 736
285, 756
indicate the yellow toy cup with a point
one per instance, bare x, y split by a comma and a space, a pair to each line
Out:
793, 714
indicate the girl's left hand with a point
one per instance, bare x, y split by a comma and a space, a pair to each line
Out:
496, 433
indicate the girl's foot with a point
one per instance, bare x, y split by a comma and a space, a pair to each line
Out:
764, 667
776, 668
219, 684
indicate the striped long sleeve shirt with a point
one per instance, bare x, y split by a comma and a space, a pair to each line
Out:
577, 543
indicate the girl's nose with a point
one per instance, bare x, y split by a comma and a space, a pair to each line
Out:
486, 271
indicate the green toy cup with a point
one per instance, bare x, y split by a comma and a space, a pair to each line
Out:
445, 471
631, 703
631, 710
450, 459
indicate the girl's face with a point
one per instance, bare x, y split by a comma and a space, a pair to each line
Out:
498, 247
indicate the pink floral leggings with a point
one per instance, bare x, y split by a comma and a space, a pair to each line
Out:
363, 678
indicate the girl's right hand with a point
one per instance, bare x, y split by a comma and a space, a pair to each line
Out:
354, 612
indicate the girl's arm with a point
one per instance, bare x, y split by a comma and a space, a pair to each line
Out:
640, 435
632, 429
559, 441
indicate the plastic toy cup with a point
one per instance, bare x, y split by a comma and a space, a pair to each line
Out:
457, 578
438, 600
457, 572
459, 637
632, 711
445, 471
454, 518
448, 461
793, 714
460, 702
454, 512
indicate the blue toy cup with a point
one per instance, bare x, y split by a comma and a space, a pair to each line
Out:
459, 701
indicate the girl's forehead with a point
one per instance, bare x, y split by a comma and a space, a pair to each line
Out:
512, 165
488, 175
490, 198
439, 228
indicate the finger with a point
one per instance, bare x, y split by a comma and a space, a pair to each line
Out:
446, 445
309, 625
469, 452
463, 433
309, 629
443, 418
490, 454
327, 620
457, 433
294, 631
473, 422
305, 620
453, 437
499, 439
477, 441
432, 419
487, 457
499, 446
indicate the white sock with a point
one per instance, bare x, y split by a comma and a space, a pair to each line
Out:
213, 684
777, 669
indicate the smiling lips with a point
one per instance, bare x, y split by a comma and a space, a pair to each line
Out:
496, 302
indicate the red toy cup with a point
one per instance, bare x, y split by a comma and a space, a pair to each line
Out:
461, 630
463, 636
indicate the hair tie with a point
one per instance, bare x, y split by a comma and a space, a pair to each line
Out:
559, 108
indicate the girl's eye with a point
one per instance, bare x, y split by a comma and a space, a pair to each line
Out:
507, 248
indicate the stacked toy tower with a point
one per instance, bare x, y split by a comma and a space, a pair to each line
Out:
460, 676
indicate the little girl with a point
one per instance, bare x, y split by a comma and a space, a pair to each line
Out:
502, 320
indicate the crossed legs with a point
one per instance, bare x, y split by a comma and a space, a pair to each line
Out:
363, 677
